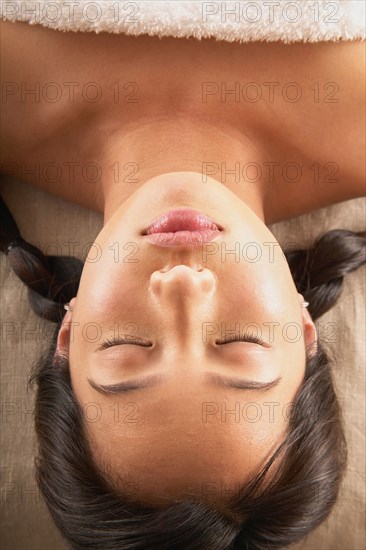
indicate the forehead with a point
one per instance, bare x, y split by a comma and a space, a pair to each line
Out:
170, 450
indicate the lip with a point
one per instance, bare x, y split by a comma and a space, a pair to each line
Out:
182, 238
181, 227
181, 219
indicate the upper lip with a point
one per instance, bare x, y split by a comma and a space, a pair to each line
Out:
181, 219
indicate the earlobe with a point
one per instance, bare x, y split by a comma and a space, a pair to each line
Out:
63, 339
310, 333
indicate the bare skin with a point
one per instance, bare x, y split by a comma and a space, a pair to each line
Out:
179, 436
170, 118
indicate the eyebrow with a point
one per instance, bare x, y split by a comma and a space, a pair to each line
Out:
155, 380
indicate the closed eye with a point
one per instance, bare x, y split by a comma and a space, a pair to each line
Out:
117, 341
242, 337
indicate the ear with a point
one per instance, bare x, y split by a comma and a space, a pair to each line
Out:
63, 339
310, 333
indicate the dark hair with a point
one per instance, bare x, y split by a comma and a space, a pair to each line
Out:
91, 514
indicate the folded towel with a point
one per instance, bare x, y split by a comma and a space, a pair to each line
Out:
244, 21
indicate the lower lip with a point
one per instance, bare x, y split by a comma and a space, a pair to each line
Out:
182, 227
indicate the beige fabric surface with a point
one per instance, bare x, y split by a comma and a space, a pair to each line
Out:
53, 224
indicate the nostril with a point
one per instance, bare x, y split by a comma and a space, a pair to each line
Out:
199, 269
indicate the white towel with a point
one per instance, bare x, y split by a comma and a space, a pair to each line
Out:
244, 21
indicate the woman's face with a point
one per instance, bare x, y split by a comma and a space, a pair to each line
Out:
193, 414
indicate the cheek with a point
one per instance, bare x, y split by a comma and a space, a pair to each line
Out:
107, 285
265, 291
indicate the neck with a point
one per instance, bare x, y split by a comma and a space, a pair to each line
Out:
177, 143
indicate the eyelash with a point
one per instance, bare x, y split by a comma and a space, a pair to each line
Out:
237, 337
116, 341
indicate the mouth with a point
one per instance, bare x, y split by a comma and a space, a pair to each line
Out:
182, 227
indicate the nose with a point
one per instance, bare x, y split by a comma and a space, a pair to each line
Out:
182, 284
